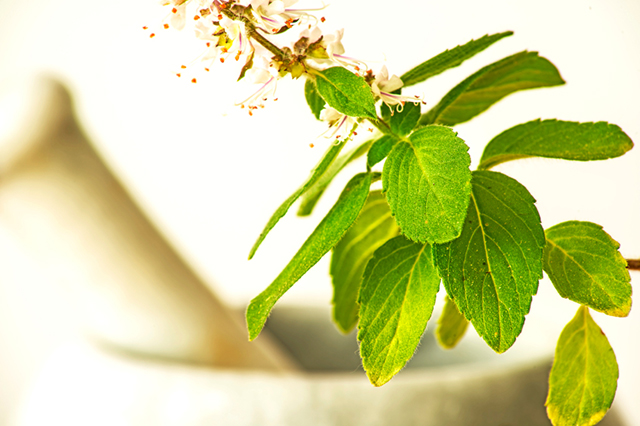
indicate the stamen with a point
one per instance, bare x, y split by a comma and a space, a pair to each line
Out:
174, 10
166, 26
145, 28
152, 35
193, 80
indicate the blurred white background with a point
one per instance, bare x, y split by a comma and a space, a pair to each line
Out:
210, 176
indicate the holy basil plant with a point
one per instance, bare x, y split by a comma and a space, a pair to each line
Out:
435, 223
476, 232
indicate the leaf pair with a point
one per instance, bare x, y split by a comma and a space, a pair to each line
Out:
491, 271
584, 265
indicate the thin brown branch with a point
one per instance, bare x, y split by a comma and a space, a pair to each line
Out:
633, 264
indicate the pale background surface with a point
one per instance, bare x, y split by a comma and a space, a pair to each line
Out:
196, 163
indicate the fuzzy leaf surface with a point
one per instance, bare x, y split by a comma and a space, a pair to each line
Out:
556, 139
396, 301
584, 376
380, 149
426, 180
449, 59
312, 195
451, 325
524, 70
314, 100
326, 235
318, 171
585, 266
346, 92
403, 122
492, 270
374, 227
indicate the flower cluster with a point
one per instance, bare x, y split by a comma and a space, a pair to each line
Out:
245, 30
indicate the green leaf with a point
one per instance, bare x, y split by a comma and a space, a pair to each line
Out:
346, 92
584, 376
315, 101
491, 272
524, 70
402, 122
449, 59
380, 149
322, 239
584, 264
374, 227
556, 139
396, 300
426, 181
312, 195
451, 325
318, 171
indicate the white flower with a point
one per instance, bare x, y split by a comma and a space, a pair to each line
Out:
267, 77
273, 15
384, 86
340, 125
330, 49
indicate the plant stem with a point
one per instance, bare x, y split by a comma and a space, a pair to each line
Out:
633, 264
253, 33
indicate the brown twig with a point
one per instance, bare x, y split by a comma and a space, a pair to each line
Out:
633, 264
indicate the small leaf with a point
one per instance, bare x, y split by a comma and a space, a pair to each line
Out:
524, 70
318, 171
322, 239
556, 139
451, 325
491, 272
314, 100
346, 92
584, 264
380, 149
247, 66
374, 227
402, 122
450, 59
584, 376
396, 300
312, 195
426, 181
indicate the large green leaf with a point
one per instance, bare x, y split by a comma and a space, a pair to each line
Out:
449, 59
322, 239
318, 171
374, 227
451, 325
426, 181
312, 195
524, 70
346, 92
314, 100
584, 264
584, 376
556, 139
492, 270
396, 300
